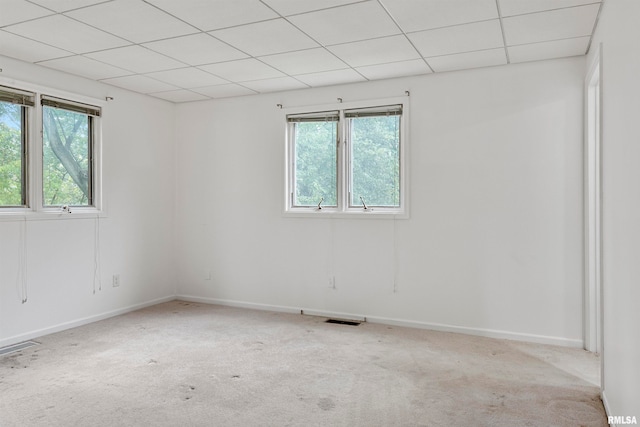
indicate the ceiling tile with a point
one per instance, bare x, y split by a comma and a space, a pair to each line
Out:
140, 84
136, 59
242, 70
327, 78
266, 38
187, 78
224, 91
274, 85
27, 50
65, 5
179, 96
520, 7
248, 43
376, 51
554, 25
132, 20
66, 33
304, 61
413, 15
14, 11
394, 69
196, 49
210, 15
85, 67
549, 50
354, 22
292, 7
457, 39
460, 61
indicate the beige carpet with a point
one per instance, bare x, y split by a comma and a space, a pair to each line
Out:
186, 364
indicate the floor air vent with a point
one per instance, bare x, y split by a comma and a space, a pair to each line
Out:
343, 322
16, 347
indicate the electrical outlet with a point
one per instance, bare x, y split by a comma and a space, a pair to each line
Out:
116, 280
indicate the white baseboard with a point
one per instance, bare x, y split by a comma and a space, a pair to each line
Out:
540, 339
79, 322
239, 304
489, 333
605, 403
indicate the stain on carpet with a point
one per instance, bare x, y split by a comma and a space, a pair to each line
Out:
326, 404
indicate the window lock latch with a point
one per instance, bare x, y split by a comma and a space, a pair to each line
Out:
364, 205
66, 209
319, 208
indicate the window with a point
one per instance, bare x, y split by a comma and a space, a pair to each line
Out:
374, 154
67, 152
347, 160
315, 152
13, 146
55, 167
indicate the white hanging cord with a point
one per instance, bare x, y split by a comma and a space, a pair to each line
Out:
395, 256
97, 276
22, 262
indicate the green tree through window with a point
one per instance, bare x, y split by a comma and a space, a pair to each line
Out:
375, 160
66, 157
67, 142
11, 155
315, 163
350, 160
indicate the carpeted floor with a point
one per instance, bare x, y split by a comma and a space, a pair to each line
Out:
187, 364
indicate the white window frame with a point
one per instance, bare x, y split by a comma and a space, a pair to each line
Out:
35, 208
25, 134
343, 208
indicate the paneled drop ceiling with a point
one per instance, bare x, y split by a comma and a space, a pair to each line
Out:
189, 50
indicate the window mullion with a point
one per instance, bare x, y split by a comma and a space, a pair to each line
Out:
36, 158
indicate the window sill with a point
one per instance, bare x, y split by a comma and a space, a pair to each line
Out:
327, 213
47, 215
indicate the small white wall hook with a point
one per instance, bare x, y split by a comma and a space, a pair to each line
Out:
279, 106
340, 100
108, 98
406, 92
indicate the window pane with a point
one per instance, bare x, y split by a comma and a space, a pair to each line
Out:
66, 158
12, 170
375, 160
315, 163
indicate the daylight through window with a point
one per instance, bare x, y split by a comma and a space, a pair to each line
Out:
374, 147
49, 154
315, 142
67, 168
347, 160
13, 146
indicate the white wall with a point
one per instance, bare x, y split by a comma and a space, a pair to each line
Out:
136, 236
494, 242
619, 33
